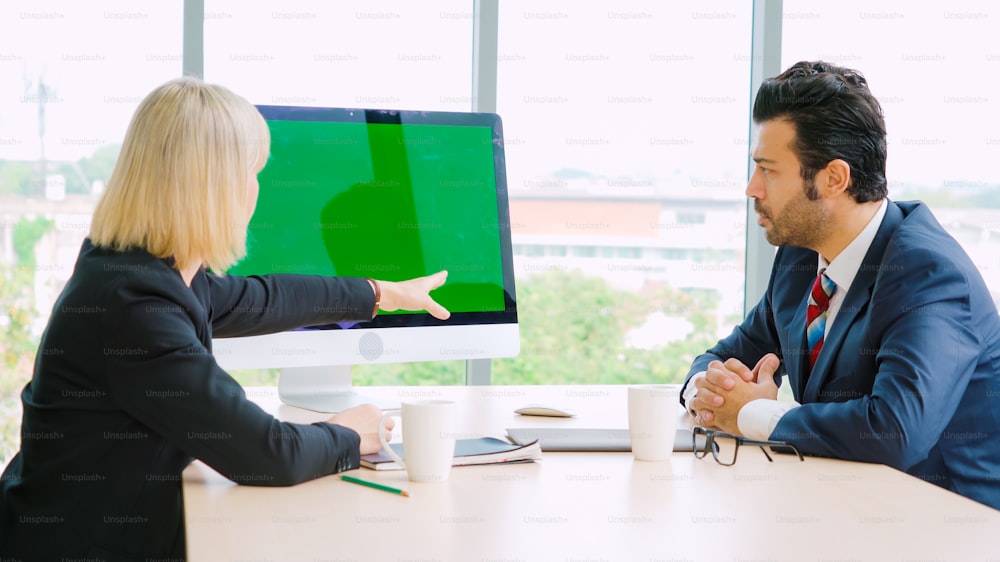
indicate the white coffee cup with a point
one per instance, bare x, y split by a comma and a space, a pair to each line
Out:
428, 439
652, 420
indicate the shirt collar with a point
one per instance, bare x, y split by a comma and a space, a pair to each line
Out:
844, 268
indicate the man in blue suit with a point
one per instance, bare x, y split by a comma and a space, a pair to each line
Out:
885, 329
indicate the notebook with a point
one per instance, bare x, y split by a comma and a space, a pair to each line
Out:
483, 450
588, 439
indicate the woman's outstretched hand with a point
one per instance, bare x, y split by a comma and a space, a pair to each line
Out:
414, 295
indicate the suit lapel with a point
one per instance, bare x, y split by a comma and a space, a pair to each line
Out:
853, 306
799, 362
795, 270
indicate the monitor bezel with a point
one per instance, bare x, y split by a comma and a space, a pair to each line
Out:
412, 117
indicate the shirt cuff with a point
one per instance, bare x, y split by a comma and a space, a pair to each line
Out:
690, 391
758, 418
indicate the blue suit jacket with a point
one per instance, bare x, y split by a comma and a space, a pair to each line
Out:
909, 374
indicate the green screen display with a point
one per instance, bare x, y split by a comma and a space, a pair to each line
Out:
390, 201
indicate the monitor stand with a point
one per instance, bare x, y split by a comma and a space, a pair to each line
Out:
324, 389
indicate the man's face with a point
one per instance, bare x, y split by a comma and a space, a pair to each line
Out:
788, 215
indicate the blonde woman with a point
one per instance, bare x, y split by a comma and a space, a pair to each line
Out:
125, 391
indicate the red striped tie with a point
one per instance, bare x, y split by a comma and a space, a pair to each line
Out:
819, 302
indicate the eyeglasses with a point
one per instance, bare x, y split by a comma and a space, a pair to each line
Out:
724, 446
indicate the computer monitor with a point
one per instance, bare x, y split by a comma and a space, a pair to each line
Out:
390, 195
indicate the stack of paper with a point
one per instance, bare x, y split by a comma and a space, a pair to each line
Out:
484, 450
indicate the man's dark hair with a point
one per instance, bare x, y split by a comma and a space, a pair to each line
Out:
835, 116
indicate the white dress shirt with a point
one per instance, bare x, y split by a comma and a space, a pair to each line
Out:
758, 418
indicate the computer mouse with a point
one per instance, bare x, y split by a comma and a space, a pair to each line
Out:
548, 411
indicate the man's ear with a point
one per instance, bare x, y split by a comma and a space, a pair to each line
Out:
837, 177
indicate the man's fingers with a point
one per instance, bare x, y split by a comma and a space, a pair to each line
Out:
720, 378
706, 399
766, 367
704, 418
707, 394
736, 366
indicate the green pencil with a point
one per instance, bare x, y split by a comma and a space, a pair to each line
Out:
375, 485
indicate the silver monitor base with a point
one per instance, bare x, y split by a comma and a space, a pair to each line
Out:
324, 389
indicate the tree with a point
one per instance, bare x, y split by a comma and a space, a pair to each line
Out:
17, 312
17, 351
16, 177
27, 233
100, 164
573, 331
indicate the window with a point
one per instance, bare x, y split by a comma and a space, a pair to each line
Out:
629, 253
555, 251
620, 114
690, 218
939, 96
675, 254
74, 72
625, 131
377, 54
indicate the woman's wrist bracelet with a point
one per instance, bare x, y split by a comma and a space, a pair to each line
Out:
378, 294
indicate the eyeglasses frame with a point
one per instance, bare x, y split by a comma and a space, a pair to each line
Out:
711, 434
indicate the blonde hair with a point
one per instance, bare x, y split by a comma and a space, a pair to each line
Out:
180, 187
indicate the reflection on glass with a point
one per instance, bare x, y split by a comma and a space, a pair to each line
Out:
73, 74
939, 97
626, 136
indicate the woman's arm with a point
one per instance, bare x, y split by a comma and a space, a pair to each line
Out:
165, 378
249, 306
